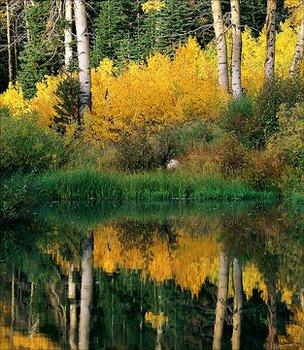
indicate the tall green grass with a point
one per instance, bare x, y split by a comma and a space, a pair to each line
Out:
83, 185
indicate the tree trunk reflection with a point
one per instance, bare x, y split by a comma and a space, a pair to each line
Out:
86, 292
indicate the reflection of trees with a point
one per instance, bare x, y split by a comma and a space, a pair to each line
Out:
86, 292
181, 256
237, 304
72, 308
221, 301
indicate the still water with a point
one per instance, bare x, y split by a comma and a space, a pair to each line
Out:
213, 276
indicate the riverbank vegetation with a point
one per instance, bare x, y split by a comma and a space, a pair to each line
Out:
234, 138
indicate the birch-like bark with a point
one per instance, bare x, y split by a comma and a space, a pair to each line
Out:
220, 311
159, 336
237, 304
236, 83
13, 307
28, 35
9, 42
83, 52
86, 293
68, 36
299, 52
221, 45
272, 317
73, 309
270, 38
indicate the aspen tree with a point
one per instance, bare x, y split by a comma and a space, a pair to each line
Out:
220, 311
237, 304
83, 52
299, 51
221, 44
73, 308
86, 292
9, 41
68, 37
236, 83
270, 38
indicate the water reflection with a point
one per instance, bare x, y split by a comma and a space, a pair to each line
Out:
178, 278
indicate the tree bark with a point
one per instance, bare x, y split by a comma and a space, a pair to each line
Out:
221, 45
237, 304
83, 52
73, 309
299, 52
236, 49
221, 301
9, 42
68, 36
270, 38
272, 318
86, 293
28, 35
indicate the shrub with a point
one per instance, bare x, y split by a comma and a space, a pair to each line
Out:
290, 139
288, 91
67, 105
267, 169
230, 156
239, 120
147, 150
26, 148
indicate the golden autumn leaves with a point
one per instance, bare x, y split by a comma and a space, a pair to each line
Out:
159, 91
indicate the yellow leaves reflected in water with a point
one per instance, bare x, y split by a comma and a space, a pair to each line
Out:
253, 279
64, 264
159, 268
107, 249
156, 320
295, 330
195, 259
190, 261
18, 340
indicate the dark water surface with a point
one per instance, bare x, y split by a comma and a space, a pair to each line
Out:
221, 276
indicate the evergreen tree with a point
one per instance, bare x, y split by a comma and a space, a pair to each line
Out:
40, 55
115, 28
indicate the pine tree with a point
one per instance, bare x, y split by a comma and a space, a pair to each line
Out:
40, 55
116, 29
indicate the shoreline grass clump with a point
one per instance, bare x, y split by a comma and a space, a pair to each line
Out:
92, 185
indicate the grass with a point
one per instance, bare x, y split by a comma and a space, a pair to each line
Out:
84, 185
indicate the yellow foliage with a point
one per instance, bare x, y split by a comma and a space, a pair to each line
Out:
253, 279
17, 340
13, 99
156, 320
107, 249
296, 7
192, 260
153, 5
45, 99
159, 91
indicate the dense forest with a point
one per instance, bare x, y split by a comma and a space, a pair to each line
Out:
151, 174
213, 88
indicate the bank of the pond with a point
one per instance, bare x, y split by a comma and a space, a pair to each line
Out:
79, 185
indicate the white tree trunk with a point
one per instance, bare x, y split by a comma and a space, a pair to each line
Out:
83, 52
73, 309
272, 315
299, 52
237, 304
236, 49
270, 38
221, 45
68, 36
86, 293
221, 301
9, 42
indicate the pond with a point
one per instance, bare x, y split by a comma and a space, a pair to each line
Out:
161, 276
